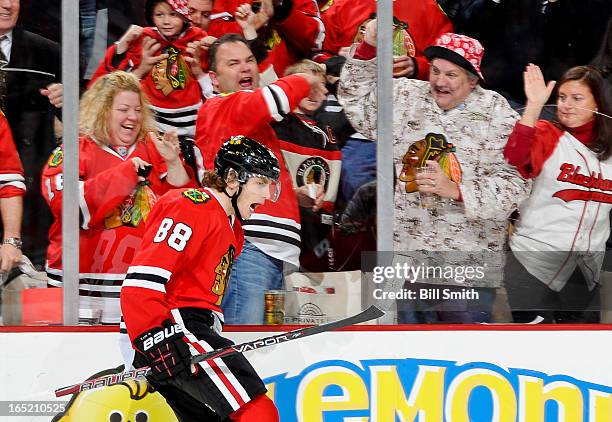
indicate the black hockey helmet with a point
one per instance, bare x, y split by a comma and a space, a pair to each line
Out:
248, 158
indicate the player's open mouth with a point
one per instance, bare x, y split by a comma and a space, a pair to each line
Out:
253, 206
246, 83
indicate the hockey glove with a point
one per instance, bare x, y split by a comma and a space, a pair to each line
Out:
165, 351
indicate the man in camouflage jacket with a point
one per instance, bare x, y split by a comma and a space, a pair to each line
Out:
462, 129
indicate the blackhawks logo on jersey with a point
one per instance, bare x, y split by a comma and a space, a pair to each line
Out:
313, 170
222, 273
172, 73
272, 40
56, 158
196, 196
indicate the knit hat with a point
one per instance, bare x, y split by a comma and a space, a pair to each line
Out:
459, 49
179, 6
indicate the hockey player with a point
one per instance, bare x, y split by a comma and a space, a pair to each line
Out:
114, 149
167, 57
172, 293
312, 156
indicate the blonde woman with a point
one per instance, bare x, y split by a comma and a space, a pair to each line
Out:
123, 167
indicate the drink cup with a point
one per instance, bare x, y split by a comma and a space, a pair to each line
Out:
427, 199
274, 307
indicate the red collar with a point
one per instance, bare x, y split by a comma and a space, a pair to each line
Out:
583, 133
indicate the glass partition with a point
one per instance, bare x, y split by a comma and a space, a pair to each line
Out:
312, 257
30, 76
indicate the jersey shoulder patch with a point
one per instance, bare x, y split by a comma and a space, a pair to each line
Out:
56, 158
196, 196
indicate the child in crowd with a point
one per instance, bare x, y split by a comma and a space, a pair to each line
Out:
167, 57
313, 158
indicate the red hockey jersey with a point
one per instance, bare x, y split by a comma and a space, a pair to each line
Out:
173, 91
288, 39
184, 260
419, 23
12, 182
110, 224
274, 227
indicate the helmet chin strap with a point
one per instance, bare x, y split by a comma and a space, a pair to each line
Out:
234, 199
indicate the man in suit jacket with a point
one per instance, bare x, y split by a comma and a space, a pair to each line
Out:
30, 78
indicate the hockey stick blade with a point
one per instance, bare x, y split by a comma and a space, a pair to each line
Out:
369, 314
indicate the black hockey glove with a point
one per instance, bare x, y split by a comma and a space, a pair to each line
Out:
165, 351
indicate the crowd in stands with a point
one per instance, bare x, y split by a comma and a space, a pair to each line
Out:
519, 165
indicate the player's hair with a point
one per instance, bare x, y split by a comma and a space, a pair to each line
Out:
211, 55
305, 66
96, 105
214, 181
602, 130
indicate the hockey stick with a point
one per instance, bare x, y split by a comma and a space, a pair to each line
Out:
369, 314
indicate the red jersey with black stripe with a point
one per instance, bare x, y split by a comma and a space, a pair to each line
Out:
184, 260
110, 226
12, 182
275, 226
310, 154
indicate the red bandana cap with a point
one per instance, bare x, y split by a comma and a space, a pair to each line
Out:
459, 49
179, 6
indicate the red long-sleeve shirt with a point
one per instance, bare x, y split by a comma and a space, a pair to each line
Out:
528, 148
11, 170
